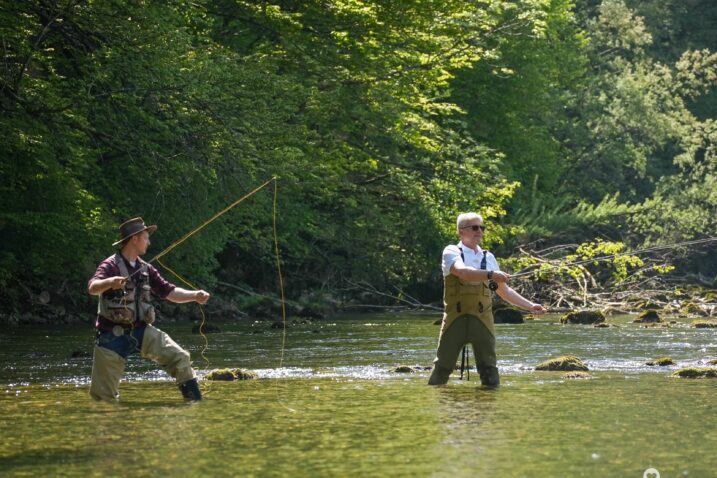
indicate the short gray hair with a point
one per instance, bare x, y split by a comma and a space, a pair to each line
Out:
465, 217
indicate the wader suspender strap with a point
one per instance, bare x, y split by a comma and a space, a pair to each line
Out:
122, 266
483, 262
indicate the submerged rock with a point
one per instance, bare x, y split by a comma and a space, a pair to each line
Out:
565, 363
648, 316
696, 372
660, 362
229, 374
583, 317
409, 368
704, 324
403, 369
712, 362
576, 375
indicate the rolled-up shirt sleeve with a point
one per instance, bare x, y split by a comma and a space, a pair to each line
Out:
105, 270
451, 254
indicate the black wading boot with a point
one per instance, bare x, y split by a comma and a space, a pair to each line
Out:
190, 390
489, 376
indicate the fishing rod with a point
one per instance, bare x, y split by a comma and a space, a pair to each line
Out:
216, 216
618, 254
210, 220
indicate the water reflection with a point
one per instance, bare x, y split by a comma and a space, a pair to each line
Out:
465, 409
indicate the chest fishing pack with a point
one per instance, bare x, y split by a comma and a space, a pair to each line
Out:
132, 303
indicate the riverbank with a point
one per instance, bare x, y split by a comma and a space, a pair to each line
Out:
230, 302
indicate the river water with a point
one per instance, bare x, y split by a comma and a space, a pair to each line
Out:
327, 403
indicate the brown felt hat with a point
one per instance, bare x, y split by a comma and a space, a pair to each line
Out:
132, 227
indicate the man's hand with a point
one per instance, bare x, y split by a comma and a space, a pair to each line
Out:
537, 309
201, 296
500, 277
98, 286
116, 282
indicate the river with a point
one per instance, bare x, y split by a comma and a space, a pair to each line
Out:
327, 403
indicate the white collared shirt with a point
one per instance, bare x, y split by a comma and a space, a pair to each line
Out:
471, 258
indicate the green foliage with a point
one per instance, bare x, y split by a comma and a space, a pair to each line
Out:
382, 122
606, 254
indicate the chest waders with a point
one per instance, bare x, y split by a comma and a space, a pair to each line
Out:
125, 308
131, 304
462, 298
475, 299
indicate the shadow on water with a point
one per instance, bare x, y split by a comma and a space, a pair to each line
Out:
23, 462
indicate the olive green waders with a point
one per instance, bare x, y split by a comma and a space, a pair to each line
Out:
467, 318
466, 329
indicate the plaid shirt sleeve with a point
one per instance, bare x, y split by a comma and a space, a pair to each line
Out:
160, 286
106, 269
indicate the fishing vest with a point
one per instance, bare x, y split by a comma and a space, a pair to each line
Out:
461, 298
130, 304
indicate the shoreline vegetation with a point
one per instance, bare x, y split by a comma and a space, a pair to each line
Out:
357, 132
655, 305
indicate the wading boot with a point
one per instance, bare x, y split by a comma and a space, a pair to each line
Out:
190, 390
489, 376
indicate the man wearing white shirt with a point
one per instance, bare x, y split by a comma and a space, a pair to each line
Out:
468, 273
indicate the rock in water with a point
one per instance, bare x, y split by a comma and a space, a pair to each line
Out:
577, 375
696, 372
583, 317
566, 363
228, 375
661, 362
648, 316
508, 315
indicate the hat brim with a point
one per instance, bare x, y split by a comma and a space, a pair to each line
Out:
149, 229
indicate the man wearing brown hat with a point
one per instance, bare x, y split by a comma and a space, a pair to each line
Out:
124, 284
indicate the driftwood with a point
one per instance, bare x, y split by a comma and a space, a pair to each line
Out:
641, 288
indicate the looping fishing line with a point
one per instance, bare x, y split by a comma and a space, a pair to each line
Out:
205, 387
216, 216
283, 302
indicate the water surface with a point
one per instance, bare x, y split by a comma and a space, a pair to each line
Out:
335, 408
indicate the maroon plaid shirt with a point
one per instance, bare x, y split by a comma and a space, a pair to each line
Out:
109, 268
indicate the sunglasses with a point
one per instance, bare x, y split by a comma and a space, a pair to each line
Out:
474, 227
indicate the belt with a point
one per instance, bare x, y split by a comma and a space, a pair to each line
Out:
105, 325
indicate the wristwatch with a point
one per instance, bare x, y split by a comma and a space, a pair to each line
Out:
490, 275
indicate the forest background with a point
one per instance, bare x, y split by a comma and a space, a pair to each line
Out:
563, 122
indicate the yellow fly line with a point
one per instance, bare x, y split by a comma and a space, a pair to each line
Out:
216, 216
